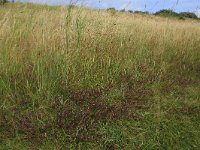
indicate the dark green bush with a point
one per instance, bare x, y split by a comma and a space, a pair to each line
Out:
3, 1
130, 11
171, 13
111, 9
141, 12
181, 18
167, 13
188, 15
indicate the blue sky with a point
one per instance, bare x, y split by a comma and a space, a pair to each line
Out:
144, 5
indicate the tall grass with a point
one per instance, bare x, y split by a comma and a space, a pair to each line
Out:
82, 78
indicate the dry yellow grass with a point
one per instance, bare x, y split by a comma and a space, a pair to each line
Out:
30, 28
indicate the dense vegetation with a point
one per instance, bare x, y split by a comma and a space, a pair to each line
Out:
167, 13
3, 1
162, 13
170, 13
141, 12
188, 15
77, 78
182, 15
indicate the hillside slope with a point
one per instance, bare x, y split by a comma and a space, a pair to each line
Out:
79, 78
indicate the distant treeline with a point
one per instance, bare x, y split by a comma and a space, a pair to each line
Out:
3, 1
171, 13
163, 12
6, 1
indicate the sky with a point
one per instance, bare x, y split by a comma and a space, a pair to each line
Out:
142, 5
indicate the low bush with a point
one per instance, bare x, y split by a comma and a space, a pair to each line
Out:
167, 13
141, 12
188, 15
3, 1
171, 13
130, 11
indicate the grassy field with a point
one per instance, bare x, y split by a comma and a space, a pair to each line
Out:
78, 78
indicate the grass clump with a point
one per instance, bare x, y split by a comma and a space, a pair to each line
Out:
85, 79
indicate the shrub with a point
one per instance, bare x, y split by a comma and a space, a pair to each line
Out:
112, 11
167, 13
181, 18
3, 1
171, 13
188, 15
130, 11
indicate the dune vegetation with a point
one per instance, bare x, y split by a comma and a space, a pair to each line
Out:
79, 78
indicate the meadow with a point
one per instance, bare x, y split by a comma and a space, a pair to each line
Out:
79, 78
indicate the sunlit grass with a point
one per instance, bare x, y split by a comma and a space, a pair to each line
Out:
73, 77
